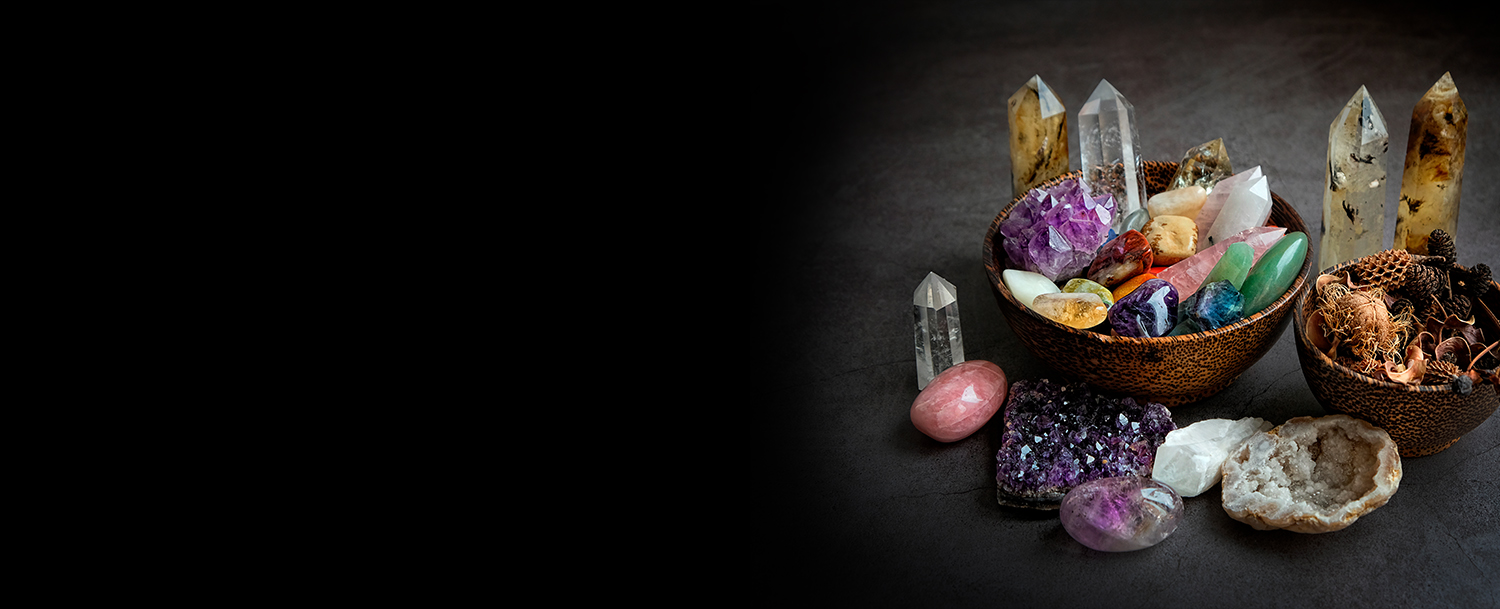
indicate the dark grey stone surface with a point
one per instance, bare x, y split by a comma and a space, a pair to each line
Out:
876, 151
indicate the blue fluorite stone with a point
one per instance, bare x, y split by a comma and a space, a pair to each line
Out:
1149, 311
1215, 305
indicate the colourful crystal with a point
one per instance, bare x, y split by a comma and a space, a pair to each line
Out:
1056, 232
1354, 202
1075, 310
1247, 206
1189, 274
959, 401
1110, 143
1081, 285
1121, 514
1234, 265
1058, 436
1125, 257
1131, 284
1149, 311
1215, 306
1038, 135
1434, 171
1215, 202
1203, 165
1026, 285
1274, 273
1186, 202
940, 342
1173, 238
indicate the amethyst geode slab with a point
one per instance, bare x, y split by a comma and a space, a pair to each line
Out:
1057, 232
1058, 436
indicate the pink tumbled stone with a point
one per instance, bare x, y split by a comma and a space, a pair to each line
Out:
959, 400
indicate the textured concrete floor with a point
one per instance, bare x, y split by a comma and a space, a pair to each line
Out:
879, 152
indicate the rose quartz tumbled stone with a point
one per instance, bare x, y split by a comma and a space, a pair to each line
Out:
959, 400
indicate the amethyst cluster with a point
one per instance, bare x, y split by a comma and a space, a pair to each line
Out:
1057, 232
1058, 436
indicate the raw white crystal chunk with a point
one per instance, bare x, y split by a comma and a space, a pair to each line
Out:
940, 344
1192, 459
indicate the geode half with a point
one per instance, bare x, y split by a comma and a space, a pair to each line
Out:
1058, 436
1311, 475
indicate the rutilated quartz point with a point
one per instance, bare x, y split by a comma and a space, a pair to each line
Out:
1434, 170
1111, 151
1354, 203
1203, 165
940, 344
1038, 136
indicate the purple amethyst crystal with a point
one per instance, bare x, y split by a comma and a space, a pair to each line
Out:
1057, 232
1058, 436
1149, 311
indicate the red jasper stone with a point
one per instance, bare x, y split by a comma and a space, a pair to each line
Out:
1126, 256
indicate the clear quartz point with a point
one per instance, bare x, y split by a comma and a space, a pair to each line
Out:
940, 344
1110, 143
1354, 202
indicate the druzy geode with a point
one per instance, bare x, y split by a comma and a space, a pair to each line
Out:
1057, 232
1058, 436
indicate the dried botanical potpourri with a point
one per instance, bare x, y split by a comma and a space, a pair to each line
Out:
1408, 318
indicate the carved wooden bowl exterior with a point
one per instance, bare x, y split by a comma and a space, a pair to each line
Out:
1171, 370
1422, 419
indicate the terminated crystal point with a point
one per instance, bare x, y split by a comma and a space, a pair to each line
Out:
1038, 136
1203, 165
1354, 203
940, 344
1247, 206
1111, 151
1434, 171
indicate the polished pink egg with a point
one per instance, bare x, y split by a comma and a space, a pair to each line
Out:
959, 400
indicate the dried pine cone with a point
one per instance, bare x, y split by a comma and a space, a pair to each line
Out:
1472, 281
1440, 243
1422, 281
1440, 373
1459, 305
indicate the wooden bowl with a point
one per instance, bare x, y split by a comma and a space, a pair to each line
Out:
1172, 370
1422, 419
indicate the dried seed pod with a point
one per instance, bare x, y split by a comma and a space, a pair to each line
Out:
1440, 243
1421, 281
1360, 322
1460, 306
1439, 373
1386, 269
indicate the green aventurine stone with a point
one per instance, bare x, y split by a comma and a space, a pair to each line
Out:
1233, 266
1275, 272
1083, 285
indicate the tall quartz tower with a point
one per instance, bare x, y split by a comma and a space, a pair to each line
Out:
1038, 136
1434, 170
1354, 202
1110, 151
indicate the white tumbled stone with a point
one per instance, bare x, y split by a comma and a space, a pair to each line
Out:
1026, 285
1192, 459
